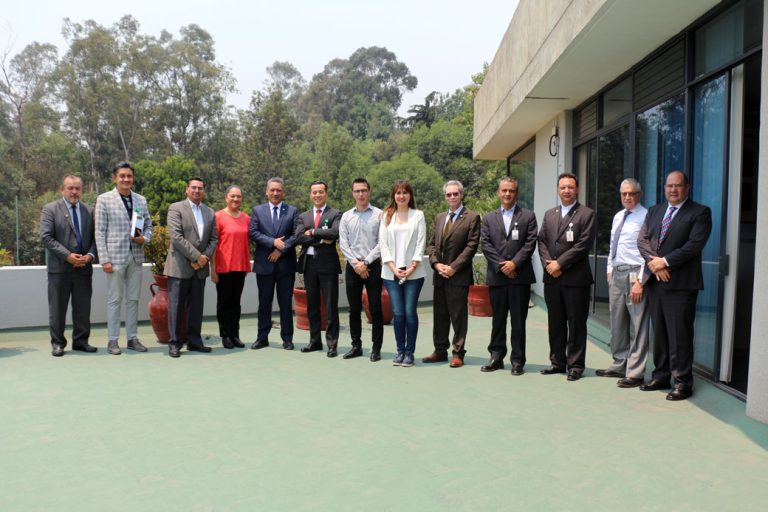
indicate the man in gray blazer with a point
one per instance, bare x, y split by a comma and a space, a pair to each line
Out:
565, 239
121, 251
508, 237
66, 231
192, 229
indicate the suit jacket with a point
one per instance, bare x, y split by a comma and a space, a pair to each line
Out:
326, 258
573, 257
186, 244
264, 233
57, 233
498, 246
686, 237
417, 239
456, 249
113, 227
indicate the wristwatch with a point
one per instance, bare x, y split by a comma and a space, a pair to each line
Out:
366, 263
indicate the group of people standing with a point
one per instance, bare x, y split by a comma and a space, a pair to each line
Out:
654, 271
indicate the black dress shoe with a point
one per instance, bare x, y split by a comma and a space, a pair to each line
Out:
288, 345
609, 373
629, 382
680, 392
332, 352
237, 342
551, 370
517, 369
84, 347
573, 375
353, 352
375, 355
312, 347
198, 348
493, 365
174, 351
256, 345
57, 350
654, 385
226, 342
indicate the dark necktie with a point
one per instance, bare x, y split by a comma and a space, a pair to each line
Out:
615, 241
76, 222
275, 220
666, 222
448, 225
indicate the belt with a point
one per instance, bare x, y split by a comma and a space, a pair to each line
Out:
625, 267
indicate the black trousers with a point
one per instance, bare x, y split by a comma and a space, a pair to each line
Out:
568, 309
229, 290
509, 301
63, 287
450, 308
189, 295
327, 285
672, 315
267, 285
354, 285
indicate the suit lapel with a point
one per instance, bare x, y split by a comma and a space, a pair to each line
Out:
191, 218
441, 229
565, 222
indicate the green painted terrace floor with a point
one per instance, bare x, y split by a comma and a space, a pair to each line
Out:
276, 430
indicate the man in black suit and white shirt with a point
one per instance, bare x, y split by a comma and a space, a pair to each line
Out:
671, 241
565, 240
66, 231
508, 237
317, 231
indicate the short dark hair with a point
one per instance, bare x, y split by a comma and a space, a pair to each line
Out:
123, 165
568, 175
319, 182
361, 180
195, 178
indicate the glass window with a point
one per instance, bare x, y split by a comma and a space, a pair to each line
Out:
521, 167
723, 39
709, 132
660, 147
617, 102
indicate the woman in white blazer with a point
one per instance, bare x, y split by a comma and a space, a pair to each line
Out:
402, 237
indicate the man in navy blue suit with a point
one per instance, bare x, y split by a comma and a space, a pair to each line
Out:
274, 261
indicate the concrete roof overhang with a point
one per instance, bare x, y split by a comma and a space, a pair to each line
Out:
556, 55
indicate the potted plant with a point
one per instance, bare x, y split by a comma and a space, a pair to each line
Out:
479, 299
155, 252
386, 306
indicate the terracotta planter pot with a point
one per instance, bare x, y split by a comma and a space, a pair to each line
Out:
158, 309
386, 306
479, 300
300, 306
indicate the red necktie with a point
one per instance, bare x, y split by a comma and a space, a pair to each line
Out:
318, 213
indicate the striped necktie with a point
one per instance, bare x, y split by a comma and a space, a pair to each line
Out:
666, 222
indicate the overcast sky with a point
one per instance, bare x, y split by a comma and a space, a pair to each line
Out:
443, 42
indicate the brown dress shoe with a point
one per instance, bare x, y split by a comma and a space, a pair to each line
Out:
435, 357
457, 362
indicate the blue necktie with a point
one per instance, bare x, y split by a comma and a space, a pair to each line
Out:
79, 236
617, 234
275, 220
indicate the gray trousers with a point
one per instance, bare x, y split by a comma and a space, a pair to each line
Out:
629, 327
123, 281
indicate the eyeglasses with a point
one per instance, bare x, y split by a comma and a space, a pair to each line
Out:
452, 194
628, 194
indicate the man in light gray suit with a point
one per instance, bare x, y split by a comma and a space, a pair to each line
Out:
192, 229
121, 247
66, 231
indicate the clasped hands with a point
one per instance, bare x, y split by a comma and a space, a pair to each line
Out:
444, 270
201, 262
79, 260
553, 268
658, 266
508, 268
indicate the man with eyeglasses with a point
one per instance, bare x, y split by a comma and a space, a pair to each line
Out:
671, 241
625, 271
359, 242
453, 244
123, 226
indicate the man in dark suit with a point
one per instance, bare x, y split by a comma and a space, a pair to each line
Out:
192, 230
317, 231
274, 262
67, 232
671, 241
454, 241
508, 237
565, 239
